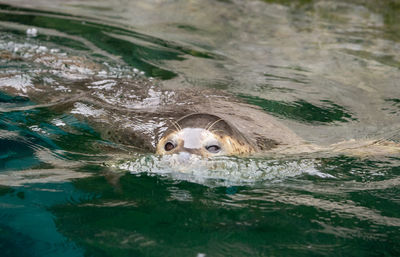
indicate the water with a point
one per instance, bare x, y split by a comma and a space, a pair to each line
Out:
75, 182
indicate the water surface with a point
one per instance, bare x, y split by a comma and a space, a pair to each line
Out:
329, 70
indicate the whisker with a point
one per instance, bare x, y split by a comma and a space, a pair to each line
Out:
216, 130
208, 125
215, 122
176, 125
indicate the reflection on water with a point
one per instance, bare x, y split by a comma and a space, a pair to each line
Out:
74, 180
302, 216
302, 110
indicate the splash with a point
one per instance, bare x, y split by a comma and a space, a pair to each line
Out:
220, 171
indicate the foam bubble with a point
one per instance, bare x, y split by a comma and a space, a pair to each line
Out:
85, 110
31, 32
220, 170
21, 83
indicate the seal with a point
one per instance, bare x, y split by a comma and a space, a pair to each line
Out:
133, 113
203, 134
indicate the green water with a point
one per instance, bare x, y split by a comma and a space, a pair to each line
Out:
329, 70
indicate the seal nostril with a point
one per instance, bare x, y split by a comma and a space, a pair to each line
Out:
169, 146
213, 148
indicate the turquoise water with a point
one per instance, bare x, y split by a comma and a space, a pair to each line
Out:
70, 185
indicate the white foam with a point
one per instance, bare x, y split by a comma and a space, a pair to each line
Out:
20, 82
58, 122
31, 32
41, 49
62, 88
38, 129
102, 82
106, 84
87, 111
220, 170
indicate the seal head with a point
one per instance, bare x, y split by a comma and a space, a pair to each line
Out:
205, 135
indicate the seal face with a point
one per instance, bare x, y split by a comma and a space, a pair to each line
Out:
205, 135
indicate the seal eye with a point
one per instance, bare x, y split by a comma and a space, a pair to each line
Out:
213, 148
169, 146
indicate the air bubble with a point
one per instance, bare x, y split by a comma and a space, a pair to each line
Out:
31, 32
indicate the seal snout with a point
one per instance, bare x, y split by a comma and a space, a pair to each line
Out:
196, 141
202, 135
